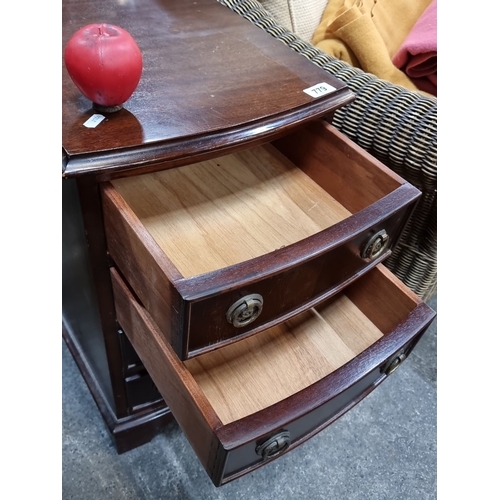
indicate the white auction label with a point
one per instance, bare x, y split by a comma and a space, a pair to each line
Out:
320, 89
93, 121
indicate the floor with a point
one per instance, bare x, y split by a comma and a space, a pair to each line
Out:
385, 448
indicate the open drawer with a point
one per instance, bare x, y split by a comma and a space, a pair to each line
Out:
247, 403
222, 249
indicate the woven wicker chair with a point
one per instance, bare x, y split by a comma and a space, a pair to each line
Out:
396, 126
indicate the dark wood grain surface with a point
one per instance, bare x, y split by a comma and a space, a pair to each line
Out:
89, 324
211, 80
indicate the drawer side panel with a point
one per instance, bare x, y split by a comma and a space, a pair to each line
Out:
189, 406
146, 269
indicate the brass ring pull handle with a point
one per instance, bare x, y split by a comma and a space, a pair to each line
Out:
376, 245
395, 364
274, 445
245, 310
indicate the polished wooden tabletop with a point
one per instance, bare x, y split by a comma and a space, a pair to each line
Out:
212, 82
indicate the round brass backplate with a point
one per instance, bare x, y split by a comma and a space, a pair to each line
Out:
395, 364
245, 310
274, 445
376, 245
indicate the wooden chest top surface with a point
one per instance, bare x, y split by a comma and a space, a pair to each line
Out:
211, 80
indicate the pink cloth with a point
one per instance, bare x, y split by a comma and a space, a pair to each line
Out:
417, 57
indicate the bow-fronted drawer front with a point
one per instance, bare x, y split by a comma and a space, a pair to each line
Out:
222, 249
249, 402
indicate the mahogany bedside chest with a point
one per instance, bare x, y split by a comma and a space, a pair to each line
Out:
223, 243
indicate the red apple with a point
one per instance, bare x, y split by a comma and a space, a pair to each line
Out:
105, 63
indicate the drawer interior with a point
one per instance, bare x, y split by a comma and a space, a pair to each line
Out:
257, 372
217, 213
